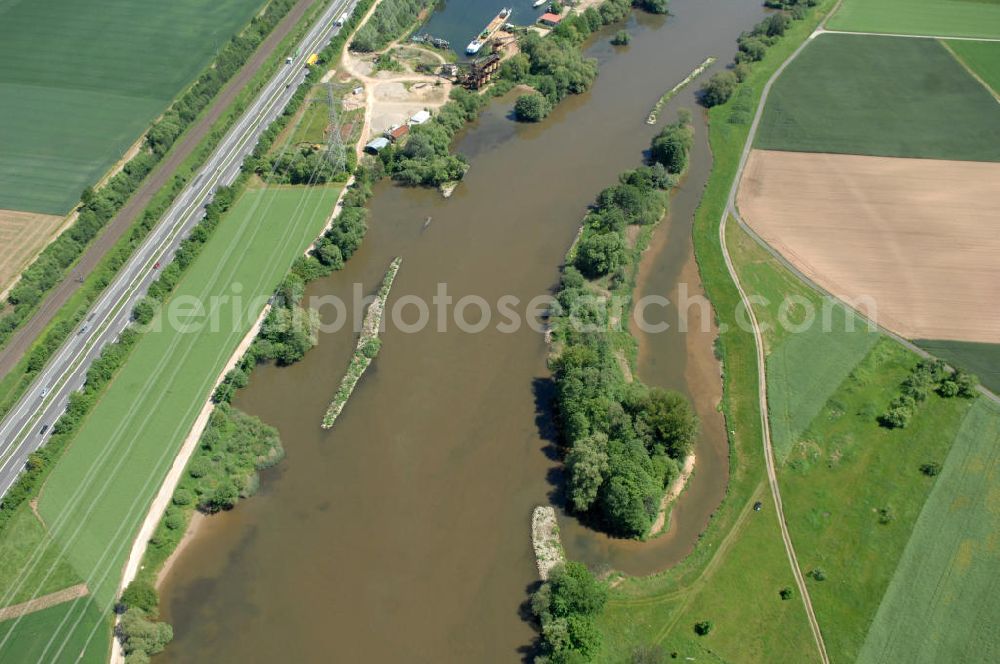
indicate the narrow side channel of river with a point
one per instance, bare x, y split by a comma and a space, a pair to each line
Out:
402, 534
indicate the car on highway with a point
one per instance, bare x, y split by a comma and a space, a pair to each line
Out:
156, 265
44, 392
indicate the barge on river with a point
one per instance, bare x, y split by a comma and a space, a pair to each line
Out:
491, 29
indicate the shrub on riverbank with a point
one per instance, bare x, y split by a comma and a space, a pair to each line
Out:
142, 636
224, 468
673, 144
621, 38
753, 47
532, 107
566, 606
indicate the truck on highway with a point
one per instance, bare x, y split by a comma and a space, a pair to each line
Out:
312, 59
342, 20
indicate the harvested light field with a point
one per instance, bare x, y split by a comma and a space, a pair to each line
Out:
22, 236
914, 235
882, 96
82, 79
952, 18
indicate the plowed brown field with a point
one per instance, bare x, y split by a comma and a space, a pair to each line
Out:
920, 237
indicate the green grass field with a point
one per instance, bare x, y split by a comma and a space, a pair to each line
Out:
98, 493
980, 359
82, 79
805, 370
826, 389
55, 635
951, 18
23, 537
885, 96
656, 612
845, 468
981, 57
944, 598
807, 359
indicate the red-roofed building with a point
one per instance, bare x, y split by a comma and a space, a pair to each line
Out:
550, 19
397, 133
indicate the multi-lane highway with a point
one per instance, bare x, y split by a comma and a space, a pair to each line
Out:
29, 423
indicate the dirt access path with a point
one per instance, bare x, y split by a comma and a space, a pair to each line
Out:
161, 175
765, 424
391, 97
43, 602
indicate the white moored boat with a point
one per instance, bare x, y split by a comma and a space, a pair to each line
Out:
491, 28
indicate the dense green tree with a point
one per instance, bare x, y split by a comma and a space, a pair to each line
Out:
751, 49
629, 500
223, 497
672, 146
531, 107
575, 590
775, 25
140, 634
597, 254
719, 88
587, 464
516, 68
670, 421
389, 21
142, 595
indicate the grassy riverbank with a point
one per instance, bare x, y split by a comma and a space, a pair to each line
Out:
712, 582
855, 492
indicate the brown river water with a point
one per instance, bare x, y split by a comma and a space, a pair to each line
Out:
402, 534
